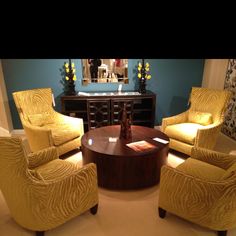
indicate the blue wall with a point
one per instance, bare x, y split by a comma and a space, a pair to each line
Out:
171, 80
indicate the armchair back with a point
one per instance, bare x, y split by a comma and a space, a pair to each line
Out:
210, 101
32, 102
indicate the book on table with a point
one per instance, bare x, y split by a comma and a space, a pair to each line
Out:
141, 146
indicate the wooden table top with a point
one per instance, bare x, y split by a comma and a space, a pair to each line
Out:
97, 140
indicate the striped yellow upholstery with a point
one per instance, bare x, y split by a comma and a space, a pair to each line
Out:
198, 191
207, 111
42, 191
44, 127
201, 169
202, 118
185, 132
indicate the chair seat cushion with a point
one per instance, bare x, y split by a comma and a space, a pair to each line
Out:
202, 118
184, 132
201, 170
56, 170
62, 133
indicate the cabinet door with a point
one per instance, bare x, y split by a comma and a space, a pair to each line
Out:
144, 111
98, 113
117, 107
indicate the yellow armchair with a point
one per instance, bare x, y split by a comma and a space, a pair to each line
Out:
202, 190
43, 191
200, 125
44, 127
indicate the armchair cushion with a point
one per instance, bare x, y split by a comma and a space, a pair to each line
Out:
185, 132
56, 170
40, 119
202, 170
202, 118
41, 157
62, 133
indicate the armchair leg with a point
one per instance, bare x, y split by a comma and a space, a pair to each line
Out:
39, 233
222, 233
94, 209
162, 212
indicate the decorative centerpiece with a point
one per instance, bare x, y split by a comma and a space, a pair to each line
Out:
125, 124
143, 75
70, 78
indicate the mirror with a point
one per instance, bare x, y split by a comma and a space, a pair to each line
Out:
105, 71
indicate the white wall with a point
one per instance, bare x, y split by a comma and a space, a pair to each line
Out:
214, 73
5, 115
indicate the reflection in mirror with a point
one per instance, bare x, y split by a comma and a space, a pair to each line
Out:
105, 71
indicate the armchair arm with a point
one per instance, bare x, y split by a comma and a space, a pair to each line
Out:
88, 171
38, 137
70, 196
41, 157
180, 118
76, 122
221, 160
206, 137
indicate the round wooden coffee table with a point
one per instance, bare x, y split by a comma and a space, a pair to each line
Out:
119, 166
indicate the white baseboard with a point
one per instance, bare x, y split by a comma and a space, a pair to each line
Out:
18, 132
4, 132
157, 127
228, 138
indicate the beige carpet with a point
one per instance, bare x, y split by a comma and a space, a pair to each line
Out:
131, 213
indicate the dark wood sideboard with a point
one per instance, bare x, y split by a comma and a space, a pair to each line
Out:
101, 110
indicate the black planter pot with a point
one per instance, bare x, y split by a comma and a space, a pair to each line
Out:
142, 85
71, 88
